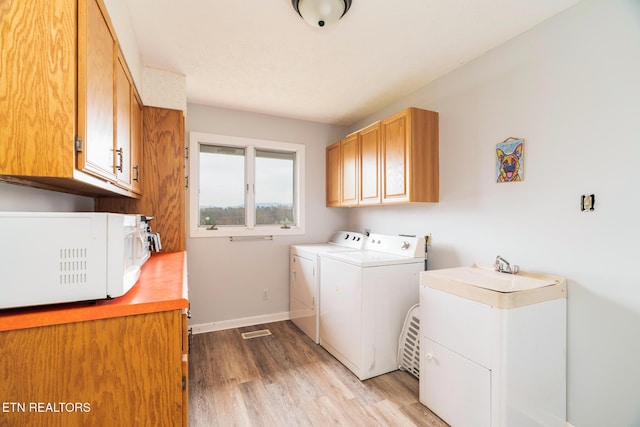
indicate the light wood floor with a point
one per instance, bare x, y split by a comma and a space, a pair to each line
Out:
287, 380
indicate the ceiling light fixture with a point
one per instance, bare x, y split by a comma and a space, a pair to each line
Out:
319, 13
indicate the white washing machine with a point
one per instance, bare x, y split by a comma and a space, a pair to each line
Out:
365, 298
304, 278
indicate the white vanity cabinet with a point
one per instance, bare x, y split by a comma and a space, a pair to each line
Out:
493, 347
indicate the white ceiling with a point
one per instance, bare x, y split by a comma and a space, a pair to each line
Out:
260, 56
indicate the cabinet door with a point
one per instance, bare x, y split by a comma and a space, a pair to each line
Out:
96, 59
185, 368
123, 124
333, 175
136, 142
349, 170
164, 175
126, 370
396, 146
453, 387
38, 87
369, 144
462, 325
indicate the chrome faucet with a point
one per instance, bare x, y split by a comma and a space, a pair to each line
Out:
503, 266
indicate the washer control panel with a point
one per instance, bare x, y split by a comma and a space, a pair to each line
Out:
409, 246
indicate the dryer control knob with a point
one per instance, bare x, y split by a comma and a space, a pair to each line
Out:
405, 246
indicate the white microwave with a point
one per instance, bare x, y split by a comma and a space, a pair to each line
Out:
57, 257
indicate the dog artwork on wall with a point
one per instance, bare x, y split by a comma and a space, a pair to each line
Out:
510, 160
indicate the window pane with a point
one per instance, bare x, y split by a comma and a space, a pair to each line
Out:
274, 187
222, 183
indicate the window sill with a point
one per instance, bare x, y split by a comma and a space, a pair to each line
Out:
257, 232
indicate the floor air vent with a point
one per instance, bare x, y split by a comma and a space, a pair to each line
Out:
256, 334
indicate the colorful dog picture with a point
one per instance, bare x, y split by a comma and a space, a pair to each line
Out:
510, 160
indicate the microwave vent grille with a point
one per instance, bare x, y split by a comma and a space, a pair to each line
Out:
73, 266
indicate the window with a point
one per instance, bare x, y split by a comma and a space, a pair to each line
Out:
244, 187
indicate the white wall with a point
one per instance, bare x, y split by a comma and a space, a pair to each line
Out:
121, 20
226, 278
20, 198
571, 88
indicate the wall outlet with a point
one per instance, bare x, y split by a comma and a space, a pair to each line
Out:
265, 295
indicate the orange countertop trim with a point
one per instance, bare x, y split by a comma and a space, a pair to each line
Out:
162, 287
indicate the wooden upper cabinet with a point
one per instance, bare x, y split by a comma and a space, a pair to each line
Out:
369, 145
163, 175
409, 157
61, 98
96, 88
349, 160
391, 161
333, 175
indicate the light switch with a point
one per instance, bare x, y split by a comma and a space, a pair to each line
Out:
588, 202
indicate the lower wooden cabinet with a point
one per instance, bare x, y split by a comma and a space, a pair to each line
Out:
121, 371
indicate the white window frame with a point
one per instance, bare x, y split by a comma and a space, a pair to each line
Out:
250, 144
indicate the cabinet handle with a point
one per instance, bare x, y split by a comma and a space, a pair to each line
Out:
137, 178
120, 153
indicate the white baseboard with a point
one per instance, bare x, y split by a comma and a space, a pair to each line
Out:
569, 424
239, 323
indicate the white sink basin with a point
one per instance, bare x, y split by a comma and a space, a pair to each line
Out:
484, 284
486, 278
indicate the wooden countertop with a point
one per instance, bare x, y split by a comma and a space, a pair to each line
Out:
162, 286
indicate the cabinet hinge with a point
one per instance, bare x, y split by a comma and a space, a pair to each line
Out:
186, 153
184, 382
78, 144
186, 181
